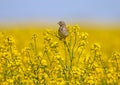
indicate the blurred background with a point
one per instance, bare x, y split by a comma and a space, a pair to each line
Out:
44, 11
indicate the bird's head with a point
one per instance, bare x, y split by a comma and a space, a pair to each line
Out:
61, 23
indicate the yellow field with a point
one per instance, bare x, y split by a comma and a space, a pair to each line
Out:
38, 57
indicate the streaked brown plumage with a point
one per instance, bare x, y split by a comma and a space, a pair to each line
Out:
62, 31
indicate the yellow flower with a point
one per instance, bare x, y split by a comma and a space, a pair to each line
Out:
83, 36
9, 40
45, 75
44, 62
58, 56
54, 44
96, 47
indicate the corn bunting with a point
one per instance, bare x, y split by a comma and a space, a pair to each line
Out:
62, 31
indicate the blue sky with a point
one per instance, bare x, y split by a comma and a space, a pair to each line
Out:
55, 10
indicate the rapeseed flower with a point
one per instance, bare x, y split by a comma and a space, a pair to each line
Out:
46, 60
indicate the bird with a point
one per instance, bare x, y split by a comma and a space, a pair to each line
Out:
62, 31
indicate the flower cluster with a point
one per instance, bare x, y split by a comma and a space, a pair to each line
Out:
47, 60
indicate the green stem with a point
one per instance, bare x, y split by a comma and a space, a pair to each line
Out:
68, 52
104, 70
66, 59
76, 50
74, 46
61, 63
48, 57
79, 56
